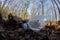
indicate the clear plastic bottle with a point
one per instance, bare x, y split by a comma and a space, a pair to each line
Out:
36, 23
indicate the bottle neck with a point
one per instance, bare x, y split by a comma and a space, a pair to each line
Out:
26, 26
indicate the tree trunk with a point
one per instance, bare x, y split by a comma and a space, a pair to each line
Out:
42, 7
54, 9
57, 6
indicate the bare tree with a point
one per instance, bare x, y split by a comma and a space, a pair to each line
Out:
57, 6
54, 9
42, 7
0, 3
55, 1
38, 10
58, 1
33, 11
4, 3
